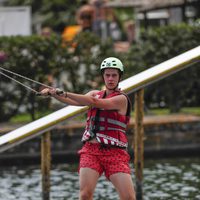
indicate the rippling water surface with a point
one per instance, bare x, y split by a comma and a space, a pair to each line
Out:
177, 179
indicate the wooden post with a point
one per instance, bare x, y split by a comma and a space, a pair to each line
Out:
46, 164
138, 142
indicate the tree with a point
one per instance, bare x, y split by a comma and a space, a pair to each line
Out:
158, 45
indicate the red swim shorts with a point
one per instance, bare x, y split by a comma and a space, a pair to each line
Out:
104, 159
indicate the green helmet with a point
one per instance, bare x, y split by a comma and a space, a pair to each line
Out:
112, 62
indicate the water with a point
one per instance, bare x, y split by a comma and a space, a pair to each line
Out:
177, 179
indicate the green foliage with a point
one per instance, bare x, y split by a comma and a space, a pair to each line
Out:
34, 57
158, 45
37, 57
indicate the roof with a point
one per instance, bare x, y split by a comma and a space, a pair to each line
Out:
123, 3
159, 4
145, 5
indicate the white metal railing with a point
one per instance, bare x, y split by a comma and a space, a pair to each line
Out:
129, 85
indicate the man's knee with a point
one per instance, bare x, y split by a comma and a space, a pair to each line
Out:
85, 195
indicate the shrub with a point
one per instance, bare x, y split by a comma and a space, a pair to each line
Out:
37, 57
158, 45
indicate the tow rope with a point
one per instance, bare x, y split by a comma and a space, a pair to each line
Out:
58, 91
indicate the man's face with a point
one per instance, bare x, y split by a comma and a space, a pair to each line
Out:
111, 78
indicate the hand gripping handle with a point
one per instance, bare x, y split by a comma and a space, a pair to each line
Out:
58, 92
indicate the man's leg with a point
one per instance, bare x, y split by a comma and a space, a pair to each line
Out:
87, 179
124, 185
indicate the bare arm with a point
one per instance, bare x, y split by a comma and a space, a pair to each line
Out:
68, 101
118, 103
80, 100
76, 99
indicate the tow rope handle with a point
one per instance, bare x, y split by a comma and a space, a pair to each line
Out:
58, 92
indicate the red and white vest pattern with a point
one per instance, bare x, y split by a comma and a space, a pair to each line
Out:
108, 126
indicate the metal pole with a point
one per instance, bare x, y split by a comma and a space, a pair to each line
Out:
46, 164
139, 142
137, 25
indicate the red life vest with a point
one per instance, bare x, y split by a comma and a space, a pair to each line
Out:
108, 126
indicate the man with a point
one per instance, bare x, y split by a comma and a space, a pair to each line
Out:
105, 141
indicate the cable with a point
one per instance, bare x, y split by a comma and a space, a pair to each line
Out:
27, 87
26, 78
58, 91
